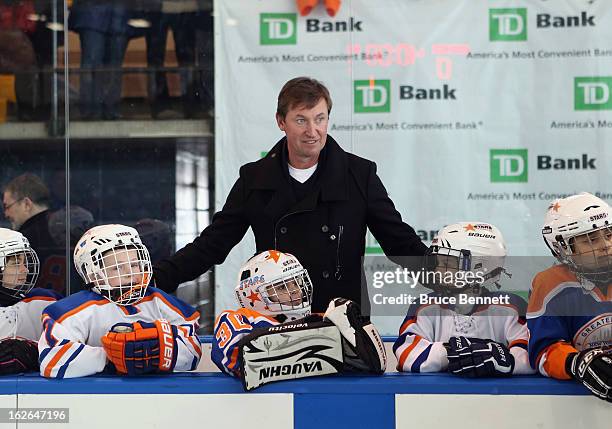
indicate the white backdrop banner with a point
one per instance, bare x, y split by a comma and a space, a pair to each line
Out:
481, 110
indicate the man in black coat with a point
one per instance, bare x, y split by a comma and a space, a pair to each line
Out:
307, 197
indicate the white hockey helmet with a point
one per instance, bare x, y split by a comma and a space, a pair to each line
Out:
19, 265
276, 284
588, 219
472, 247
112, 260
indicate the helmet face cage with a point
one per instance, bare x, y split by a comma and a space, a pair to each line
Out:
122, 273
276, 284
288, 294
589, 254
442, 264
465, 255
19, 271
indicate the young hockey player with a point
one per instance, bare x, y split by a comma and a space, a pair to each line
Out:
20, 305
570, 307
463, 327
274, 337
121, 321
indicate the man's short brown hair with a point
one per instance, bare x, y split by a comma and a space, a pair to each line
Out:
30, 186
302, 91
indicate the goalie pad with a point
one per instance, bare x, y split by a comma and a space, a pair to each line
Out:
364, 350
289, 351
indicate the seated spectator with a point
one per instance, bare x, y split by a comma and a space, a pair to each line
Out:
26, 205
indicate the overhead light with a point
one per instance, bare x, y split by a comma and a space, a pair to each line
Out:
36, 17
55, 26
139, 23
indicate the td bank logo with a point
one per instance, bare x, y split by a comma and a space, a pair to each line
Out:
508, 165
508, 25
277, 29
592, 93
372, 96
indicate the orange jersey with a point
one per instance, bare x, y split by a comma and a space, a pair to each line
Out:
563, 317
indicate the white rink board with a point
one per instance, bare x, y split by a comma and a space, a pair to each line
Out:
8, 401
169, 411
501, 412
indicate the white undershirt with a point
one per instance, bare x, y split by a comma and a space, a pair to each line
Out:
302, 175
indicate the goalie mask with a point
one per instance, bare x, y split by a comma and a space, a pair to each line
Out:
578, 231
465, 254
275, 284
19, 265
112, 260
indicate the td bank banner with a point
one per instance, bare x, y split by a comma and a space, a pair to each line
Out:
481, 110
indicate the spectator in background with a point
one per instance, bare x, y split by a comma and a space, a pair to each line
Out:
26, 205
104, 34
157, 237
80, 221
180, 16
16, 52
48, 23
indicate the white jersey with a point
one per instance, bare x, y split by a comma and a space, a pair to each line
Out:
420, 345
22, 319
71, 345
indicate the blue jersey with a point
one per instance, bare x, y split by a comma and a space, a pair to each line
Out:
564, 317
230, 327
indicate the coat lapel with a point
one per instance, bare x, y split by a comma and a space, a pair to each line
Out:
270, 177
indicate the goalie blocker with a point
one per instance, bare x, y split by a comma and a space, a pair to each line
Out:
346, 342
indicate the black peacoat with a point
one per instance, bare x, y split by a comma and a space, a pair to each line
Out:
326, 230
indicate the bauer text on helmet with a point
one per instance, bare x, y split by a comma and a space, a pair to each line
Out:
465, 254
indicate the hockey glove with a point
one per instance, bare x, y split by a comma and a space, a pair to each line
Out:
18, 356
474, 357
364, 350
292, 350
142, 347
593, 368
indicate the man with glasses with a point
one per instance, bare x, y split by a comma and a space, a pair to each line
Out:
26, 201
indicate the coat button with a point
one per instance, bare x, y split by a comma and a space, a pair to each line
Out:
283, 230
324, 228
325, 274
332, 237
